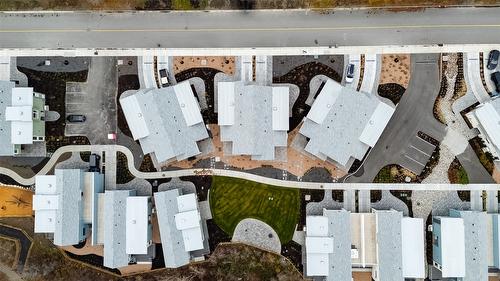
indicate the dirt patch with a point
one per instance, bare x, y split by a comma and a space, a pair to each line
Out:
395, 69
8, 251
15, 202
223, 64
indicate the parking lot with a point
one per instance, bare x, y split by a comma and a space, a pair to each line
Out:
96, 100
417, 154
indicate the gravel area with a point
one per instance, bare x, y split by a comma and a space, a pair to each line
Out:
437, 202
186, 186
390, 201
257, 233
316, 208
314, 85
141, 186
74, 162
440, 172
199, 86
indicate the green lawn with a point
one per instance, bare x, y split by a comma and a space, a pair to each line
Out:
232, 200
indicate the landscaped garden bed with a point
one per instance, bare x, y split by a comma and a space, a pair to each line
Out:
457, 173
232, 200
394, 174
486, 158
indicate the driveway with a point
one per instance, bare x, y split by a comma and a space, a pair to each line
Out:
413, 114
96, 100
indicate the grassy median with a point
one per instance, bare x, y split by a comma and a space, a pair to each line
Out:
232, 200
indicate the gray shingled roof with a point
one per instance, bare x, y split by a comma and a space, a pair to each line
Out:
115, 206
252, 132
6, 148
337, 137
476, 244
339, 222
389, 245
69, 223
169, 133
171, 238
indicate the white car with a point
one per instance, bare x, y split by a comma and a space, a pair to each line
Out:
349, 77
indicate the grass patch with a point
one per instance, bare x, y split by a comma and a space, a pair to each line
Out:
182, 5
457, 173
232, 200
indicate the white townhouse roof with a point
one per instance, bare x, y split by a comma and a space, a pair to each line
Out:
343, 124
167, 121
412, 236
137, 225
248, 114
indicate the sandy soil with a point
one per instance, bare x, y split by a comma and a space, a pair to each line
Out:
135, 268
362, 276
224, 64
15, 201
395, 69
87, 249
496, 174
297, 163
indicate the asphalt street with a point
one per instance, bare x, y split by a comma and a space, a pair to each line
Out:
413, 114
226, 29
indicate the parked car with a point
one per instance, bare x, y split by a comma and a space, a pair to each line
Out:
495, 77
94, 163
349, 77
493, 59
76, 118
164, 78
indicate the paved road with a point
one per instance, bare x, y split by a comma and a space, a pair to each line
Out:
231, 29
413, 114
238, 174
475, 170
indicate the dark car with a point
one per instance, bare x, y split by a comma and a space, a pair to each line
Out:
164, 78
76, 118
493, 59
94, 163
495, 77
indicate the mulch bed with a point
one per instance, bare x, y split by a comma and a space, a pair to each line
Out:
125, 83
207, 74
391, 91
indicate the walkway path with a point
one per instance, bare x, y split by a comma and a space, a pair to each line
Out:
239, 174
11, 274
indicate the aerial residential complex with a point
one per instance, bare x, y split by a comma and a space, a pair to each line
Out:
313, 144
